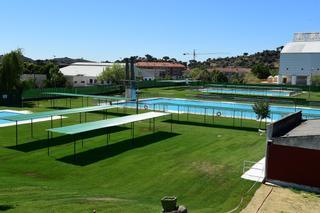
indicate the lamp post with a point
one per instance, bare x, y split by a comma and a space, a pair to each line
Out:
137, 101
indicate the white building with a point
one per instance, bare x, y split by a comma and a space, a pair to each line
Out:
300, 59
84, 74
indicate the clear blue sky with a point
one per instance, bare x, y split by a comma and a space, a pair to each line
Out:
111, 29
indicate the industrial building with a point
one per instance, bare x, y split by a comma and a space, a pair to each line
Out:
300, 59
84, 73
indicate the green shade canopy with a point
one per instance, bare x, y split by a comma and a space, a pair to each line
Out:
86, 96
95, 125
56, 113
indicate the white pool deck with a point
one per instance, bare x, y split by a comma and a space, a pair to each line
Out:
27, 121
256, 172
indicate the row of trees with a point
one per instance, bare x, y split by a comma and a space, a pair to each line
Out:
12, 66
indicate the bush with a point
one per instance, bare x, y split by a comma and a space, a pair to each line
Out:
261, 71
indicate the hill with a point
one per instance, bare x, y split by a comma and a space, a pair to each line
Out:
268, 58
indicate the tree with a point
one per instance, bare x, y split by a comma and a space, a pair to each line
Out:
218, 77
115, 74
261, 71
201, 74
165, 58
10, 70
54, 77
262, 110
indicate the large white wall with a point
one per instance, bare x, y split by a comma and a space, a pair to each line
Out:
299, 64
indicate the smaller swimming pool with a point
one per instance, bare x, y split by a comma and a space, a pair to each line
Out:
266, 92
6, 113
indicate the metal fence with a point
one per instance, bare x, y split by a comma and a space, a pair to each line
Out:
210, 113
40, 92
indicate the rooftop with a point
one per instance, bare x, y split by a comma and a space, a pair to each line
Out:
306, 128
302, 47
91, 69
303, 43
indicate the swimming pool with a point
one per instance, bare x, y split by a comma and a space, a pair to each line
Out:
6, 113
217, 108
266, 92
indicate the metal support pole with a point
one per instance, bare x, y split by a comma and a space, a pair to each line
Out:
188, 108
31, 125
213, 116
80, 117
74, 147
154, 124
69, 102
171, 121
51, 124
16, 133
132, 131
60, 120
107, 136
233, 118
48, 140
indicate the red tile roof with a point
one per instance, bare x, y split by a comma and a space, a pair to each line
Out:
159, 65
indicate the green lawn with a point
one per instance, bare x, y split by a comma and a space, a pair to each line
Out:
199, 163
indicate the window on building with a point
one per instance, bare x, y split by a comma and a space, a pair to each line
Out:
318, 69
75, 82
90, 81
95, 81
82, 82
287, 68
301, 68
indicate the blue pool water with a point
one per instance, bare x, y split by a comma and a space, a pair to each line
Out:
248, 91
224, 109
5, 114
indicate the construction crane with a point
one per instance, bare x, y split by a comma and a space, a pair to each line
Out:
195, 54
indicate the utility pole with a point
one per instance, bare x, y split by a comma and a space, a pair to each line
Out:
195, 54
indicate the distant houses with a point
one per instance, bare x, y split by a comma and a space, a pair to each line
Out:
300, 59
159, 70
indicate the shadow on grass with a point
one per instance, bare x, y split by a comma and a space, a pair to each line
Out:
58, 107
101, 153
64, 139
5, 207
193, 123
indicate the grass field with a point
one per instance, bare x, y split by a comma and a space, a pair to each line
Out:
199, 163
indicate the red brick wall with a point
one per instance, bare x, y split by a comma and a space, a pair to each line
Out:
293, 165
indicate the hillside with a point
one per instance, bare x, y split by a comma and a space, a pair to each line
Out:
61, 62
268, 58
